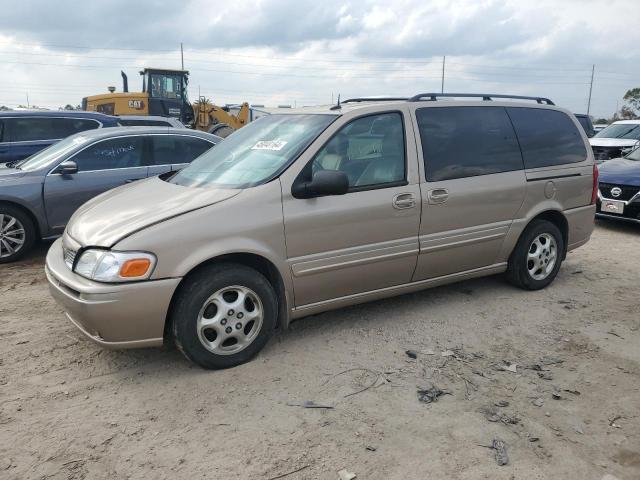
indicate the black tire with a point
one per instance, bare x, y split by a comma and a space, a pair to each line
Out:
30, 233
518, 271
191, 299
221, 129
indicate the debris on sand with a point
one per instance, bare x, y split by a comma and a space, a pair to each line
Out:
346, 475
412, 354
308, 404
509, 367
448, 353
501, 403
500, 449
538, 402
431, 393
492, 415
545, 375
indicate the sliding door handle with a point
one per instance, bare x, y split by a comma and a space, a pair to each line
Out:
438, 195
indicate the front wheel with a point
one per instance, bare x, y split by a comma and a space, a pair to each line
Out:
17, 234
224, 315
537, 257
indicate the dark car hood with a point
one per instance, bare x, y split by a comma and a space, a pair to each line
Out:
620, 171
118, 213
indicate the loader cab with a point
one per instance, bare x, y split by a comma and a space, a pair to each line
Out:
167, 93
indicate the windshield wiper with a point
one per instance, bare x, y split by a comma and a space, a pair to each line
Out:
627, 132
12, 164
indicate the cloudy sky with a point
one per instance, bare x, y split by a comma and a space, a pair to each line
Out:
309, 51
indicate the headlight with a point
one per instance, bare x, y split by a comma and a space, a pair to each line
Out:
108, 266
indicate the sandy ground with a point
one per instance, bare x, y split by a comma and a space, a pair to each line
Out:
70, 410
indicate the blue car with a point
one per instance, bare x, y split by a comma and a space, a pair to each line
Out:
619, 188
23, 133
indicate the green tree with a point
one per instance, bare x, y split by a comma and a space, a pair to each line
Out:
631, 109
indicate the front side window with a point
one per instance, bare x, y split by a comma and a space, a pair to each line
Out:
459, 142
168, 149
49, 155
547, 137
125, 152
255, 153
369, 150
629, 131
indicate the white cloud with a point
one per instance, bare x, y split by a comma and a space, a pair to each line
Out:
304, 51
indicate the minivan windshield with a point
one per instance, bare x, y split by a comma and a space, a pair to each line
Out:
255, 153
51, 153
621, 130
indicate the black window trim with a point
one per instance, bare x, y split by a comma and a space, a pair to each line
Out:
421, 149
304, 173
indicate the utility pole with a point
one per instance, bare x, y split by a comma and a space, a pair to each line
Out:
444, 59
27, 99
593, 69
181, 57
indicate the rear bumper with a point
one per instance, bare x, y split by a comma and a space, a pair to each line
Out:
581, 222
113, 315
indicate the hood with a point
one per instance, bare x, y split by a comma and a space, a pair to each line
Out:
7, 173
118, 213
620, 171
612, 142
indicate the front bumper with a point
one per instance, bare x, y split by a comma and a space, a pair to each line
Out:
128, 315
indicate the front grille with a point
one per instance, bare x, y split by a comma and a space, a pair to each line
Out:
606, 153
69, 256
626, 194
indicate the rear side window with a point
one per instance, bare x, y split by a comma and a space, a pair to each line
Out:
547, 137
64, 127
44, 128
124, 152
168, 149
459, 142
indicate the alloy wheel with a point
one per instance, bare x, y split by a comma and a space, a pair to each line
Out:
230, 320
542, 256
12, 235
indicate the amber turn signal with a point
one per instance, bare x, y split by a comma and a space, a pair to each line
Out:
135, 267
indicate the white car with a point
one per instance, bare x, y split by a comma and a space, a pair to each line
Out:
616, 140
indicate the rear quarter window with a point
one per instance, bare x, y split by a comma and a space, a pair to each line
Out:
547, 137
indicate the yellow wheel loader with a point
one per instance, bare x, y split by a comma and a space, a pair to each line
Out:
164, 93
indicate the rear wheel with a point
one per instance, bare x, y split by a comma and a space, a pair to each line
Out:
537, 257
221, 129
224, 315
17, 234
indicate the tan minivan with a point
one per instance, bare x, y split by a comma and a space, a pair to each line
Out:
323, 207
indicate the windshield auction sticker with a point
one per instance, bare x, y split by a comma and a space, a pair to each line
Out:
269, 145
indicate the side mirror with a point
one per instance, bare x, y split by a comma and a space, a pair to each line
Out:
323, 183
67, 168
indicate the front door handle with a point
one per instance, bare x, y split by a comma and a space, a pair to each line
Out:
438, 195
404, 200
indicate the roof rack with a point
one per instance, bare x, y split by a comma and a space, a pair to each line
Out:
375, 99
484, 96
